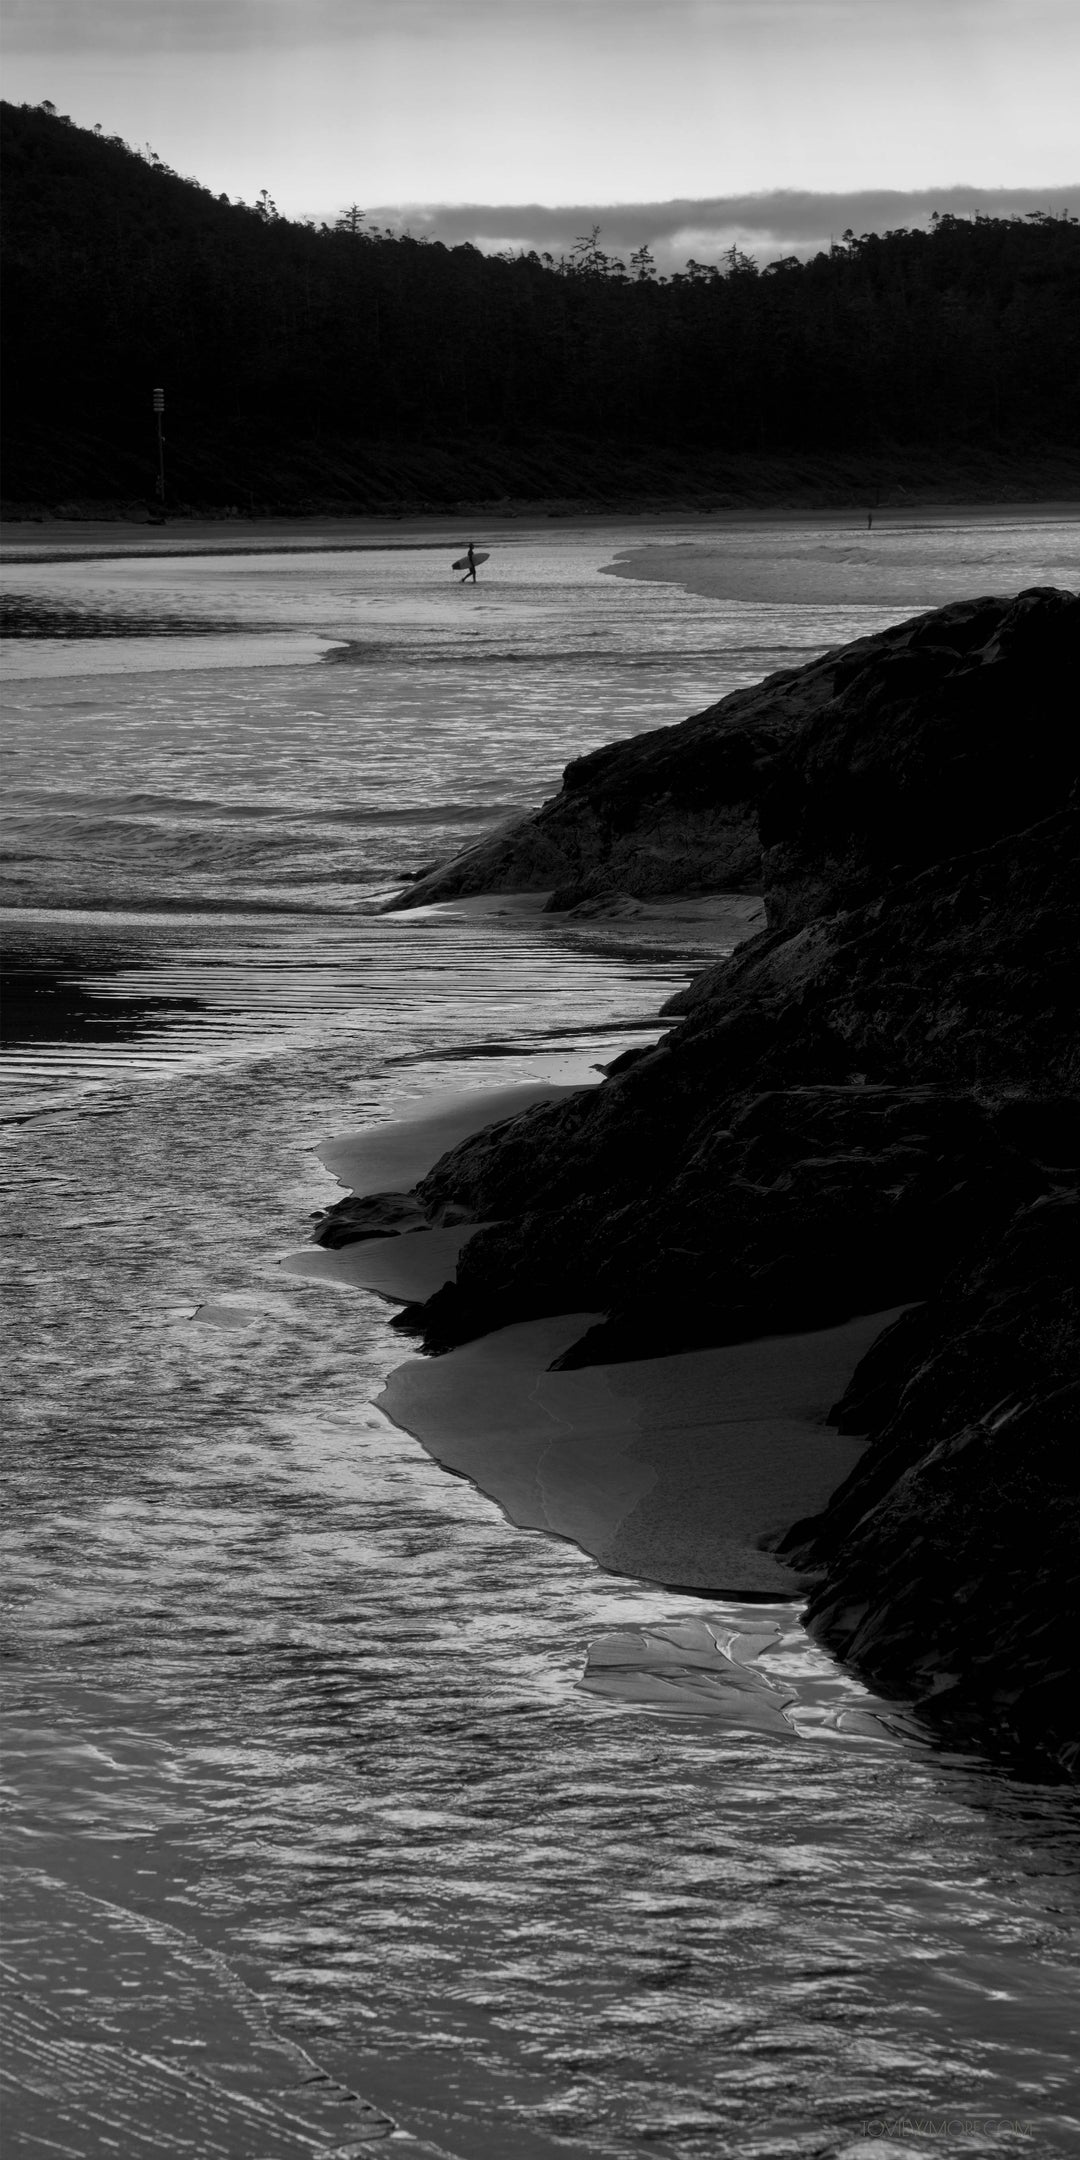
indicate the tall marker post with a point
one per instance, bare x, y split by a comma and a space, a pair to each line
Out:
159, 408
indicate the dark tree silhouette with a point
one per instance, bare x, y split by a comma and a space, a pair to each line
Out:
317, 366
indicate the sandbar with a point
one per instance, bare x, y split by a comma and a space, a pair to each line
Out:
670, 1469
848, 558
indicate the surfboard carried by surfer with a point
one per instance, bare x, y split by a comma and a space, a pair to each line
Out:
469, 563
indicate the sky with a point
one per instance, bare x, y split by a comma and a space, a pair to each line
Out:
769, 122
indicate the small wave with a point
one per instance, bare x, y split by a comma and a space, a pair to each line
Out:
365, 900
98, 813
611, 656
423, 814
40, 617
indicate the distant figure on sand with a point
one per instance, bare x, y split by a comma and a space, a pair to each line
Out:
470, 563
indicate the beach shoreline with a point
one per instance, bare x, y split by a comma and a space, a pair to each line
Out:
682, 1470
44, 537
333, 1790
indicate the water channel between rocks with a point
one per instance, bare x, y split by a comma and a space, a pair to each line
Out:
342, 1809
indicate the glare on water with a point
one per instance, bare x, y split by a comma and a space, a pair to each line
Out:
316, 1836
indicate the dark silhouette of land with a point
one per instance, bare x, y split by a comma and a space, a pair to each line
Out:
324, 368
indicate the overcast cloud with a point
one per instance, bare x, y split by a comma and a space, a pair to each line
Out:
785, 221
183, 25
580, 102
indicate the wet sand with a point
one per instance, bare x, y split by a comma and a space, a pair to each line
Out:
700, 565
672, 1469
392, 1158
69, 539
125, 2035
405, 1269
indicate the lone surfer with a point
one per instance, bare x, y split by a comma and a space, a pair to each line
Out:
470, 563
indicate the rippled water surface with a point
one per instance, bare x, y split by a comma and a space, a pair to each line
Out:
315, 1838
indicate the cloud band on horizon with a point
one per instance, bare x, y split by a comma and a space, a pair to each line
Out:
777, 222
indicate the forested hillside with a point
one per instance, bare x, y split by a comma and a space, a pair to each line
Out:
331, 367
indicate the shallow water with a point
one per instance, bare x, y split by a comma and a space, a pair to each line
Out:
317, 1838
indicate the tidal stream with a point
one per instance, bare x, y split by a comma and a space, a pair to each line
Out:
315, 1839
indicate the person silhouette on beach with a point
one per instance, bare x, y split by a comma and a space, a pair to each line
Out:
471, 571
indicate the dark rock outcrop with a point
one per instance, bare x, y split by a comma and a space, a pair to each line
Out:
368, 1215
842, 1107
875, 1102
964, 735
691, 808
952, 1552
806, 1206
676, 809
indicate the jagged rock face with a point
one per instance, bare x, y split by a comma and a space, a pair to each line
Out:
983, 1344
962, 978
959, 1591
881, 730
804, 1207
875, 1102
952, 1553
965, 976
628, 819
936, 747
825, 1124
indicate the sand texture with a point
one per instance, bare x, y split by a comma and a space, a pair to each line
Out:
668, 1468
406, 1268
